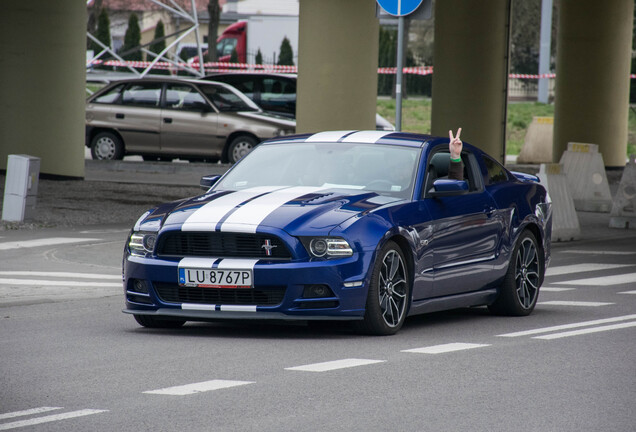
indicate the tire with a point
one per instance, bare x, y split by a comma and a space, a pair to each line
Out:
154, 322
389, 293
107, 146
519, 291
239, 147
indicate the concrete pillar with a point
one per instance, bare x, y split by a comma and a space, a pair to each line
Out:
471, 71
594, 45
42, 83
337, 65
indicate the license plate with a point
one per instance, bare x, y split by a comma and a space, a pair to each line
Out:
207, 278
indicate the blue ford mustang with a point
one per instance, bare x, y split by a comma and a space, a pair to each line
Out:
343, 225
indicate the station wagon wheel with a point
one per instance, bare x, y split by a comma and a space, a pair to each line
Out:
520, 289
107, 146
388, 295
239, 147
154, 322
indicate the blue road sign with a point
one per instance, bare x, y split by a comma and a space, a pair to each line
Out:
399, 7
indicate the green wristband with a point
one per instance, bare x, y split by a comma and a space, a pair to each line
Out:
456, 160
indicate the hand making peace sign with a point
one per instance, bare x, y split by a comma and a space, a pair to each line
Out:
455, 145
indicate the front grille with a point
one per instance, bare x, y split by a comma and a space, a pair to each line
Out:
173, 293
221, 245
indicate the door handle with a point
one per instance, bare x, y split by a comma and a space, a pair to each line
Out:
167, 120
119, 116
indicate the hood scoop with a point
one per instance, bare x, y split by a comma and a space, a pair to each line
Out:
315, 198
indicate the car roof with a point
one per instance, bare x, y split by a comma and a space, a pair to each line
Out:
364, 137
251, 73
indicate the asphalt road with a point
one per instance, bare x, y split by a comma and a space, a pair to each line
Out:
71, 361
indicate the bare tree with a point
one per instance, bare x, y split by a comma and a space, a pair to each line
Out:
214, 10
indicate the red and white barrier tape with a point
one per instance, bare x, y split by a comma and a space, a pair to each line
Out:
224, 66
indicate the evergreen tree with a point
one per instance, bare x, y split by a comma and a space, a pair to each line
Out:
286, 56
103, 32
259, 57
132, 39
160, 43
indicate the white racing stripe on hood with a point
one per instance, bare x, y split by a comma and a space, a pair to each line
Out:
247, 217
366, 136
209, 215
329, 136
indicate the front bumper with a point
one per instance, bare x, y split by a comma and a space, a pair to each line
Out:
284, 281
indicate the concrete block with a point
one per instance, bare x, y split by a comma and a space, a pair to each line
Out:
587, 181
623, 214
565, 221
537, 146
21, 187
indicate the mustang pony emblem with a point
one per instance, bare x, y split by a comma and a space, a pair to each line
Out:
268, 246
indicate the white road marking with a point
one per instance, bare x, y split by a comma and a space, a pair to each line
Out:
595, 252
445, 348
28, 412
568, 326
554, 289
335, 364
49, 418
39, 282
198, 387
61, 275
603, 281
627, 292
580, 268
574, 303
586, 331
44, 242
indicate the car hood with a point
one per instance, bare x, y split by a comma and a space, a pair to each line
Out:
268, 117
296, 210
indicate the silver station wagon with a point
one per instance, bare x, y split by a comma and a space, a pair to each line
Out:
166, 118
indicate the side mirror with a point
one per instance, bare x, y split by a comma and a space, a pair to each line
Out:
445, 187
208, 181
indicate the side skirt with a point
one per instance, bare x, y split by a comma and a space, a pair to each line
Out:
477, 298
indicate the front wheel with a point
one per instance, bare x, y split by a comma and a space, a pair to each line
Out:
389, 291
239, 147
107, 146
519, 291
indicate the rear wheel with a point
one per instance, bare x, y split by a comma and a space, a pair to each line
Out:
107, 146
388, 296
519, 291
239, 147
155, 322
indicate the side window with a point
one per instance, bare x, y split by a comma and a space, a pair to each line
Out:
183, 97
279, 95
244, 84
142, 94
439, 164
110, 97
496, 173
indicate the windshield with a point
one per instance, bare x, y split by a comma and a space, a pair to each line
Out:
385, 169
227, 100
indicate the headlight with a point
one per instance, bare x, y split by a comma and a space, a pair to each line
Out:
142, 243
327, 247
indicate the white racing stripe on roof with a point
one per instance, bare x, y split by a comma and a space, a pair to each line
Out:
207, 217
328, 136
367, 136
247, 217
